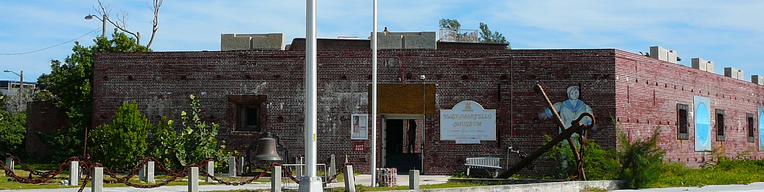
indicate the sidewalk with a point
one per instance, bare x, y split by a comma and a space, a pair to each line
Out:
364, 179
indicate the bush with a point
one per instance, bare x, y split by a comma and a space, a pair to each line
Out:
118, 144
12, 132
599, 164
640, 161
195, 143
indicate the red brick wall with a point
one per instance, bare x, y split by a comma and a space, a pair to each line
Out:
160, 82
648, 91
42, 117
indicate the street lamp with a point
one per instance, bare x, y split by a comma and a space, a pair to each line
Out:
21, 80
103, 20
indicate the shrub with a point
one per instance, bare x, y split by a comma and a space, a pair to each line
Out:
12, 131
599, 164
118, 144
195, 142
640, 161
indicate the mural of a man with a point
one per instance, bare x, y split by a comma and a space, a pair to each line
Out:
569, 109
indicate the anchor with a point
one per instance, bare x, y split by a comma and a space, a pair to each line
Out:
576, 127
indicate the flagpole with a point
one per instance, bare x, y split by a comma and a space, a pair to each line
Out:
374, 99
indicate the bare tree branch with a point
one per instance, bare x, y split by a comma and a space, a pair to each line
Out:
121, 23
157, 4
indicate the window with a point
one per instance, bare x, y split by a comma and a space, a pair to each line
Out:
720, 125
749, 120
249, 113
248, 117
681, 121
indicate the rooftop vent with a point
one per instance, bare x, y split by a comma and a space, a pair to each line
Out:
662, 54
703, 65
268, 41
757, 79
734, 73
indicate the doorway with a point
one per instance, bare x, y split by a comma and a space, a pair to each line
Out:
403, 144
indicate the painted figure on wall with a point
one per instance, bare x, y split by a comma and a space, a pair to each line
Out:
570, 109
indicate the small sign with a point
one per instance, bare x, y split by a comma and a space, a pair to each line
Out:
359, 146
467, 141
359, 126
468, 121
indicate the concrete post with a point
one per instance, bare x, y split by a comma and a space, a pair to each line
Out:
210, 170
8, 164
232, 166
349, 179
298, 168
150, 172
276, 179
414, 179
74, 173
332, 168
97, 185
240, 167
193, 179
142, 172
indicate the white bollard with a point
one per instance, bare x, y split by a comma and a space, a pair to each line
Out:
150, 172
232, 166
240, 167
210, 170
414, 179
74, 173
298, 168
9, 163
193, 179
142, 172
349, 179
276, 179
332, 168
97, 185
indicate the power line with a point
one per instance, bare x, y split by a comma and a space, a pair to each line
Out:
51, 46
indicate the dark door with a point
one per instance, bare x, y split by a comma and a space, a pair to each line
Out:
397, 150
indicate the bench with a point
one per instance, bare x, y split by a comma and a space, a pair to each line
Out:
483, 162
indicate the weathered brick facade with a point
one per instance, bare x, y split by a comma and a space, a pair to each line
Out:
498, 79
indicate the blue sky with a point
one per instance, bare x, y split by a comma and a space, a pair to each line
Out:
730, 33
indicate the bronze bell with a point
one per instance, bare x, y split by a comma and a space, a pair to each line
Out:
266, 149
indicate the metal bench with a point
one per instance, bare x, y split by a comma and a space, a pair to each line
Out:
483, 162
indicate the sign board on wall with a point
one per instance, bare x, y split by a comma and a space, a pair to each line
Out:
359, 126
468, 122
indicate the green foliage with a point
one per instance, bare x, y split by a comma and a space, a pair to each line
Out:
195, 143
600, 164
640, 161
12, 131
562, 156
70, 84
119, 143
486, 36
450, 24
724, 173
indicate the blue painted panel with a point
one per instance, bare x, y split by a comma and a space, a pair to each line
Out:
761, 128
702, 124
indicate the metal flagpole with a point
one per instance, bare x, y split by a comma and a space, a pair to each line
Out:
374, 99
310, 182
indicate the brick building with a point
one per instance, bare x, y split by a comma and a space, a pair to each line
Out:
250, 91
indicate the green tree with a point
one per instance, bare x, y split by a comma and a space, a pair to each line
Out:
119, 143
486, 36
450, 24
195, 142
70, 87
12, 131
